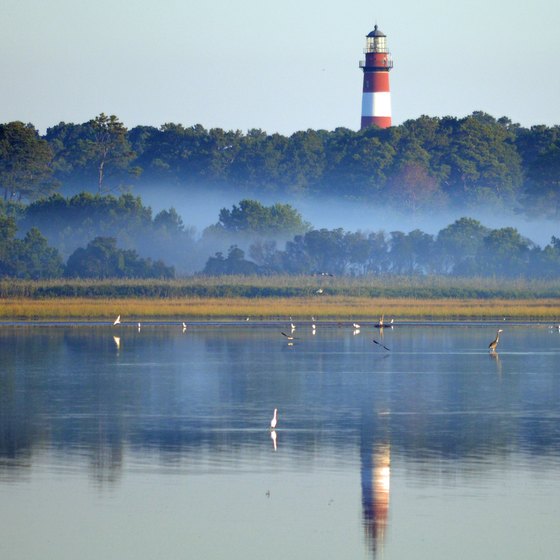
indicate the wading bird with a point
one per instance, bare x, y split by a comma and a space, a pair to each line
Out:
274, 420
117, 321
494, 343
184, 326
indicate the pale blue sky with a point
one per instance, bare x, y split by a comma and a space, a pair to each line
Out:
280, 66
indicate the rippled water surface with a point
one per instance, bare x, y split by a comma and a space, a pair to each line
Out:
122, 444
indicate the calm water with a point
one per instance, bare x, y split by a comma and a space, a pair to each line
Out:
159, 447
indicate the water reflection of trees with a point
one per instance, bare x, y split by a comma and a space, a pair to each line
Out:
107, 425
94, 399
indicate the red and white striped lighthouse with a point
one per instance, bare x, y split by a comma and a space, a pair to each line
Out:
376, 96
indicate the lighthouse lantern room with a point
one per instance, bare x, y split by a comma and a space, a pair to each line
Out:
376, 96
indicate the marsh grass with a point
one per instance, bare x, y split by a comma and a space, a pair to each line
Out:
278, 297
424, 287
322, 308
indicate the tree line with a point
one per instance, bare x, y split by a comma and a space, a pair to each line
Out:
32, 257
104, 236
465, 248
423, 164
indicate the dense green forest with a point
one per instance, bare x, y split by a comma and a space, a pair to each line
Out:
97, 229
425, 163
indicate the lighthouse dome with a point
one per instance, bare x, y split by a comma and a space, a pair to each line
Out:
376, 32
376, 41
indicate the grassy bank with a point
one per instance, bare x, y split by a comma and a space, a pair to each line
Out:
322, 308
432, 298
421, 287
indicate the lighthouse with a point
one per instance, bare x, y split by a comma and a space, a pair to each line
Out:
376, 96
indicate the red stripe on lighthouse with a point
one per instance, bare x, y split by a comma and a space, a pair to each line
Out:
376, 81
381, 122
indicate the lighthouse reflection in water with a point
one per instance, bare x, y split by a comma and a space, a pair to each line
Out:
376, 486
163, 442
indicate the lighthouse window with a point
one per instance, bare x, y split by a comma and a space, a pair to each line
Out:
380, 44
376, 44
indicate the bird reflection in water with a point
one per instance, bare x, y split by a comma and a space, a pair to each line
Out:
496, 358
376, 479
274, 439
117, 340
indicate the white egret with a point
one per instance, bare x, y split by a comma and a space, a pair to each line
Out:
184, 326
274, 420
117, 321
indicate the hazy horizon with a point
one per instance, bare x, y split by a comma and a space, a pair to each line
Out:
200, 208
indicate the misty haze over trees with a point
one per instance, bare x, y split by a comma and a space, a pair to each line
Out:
465, 248
422, 166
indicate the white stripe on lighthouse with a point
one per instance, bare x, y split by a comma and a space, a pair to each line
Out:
376, 104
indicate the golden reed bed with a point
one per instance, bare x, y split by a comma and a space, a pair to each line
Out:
323, 308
